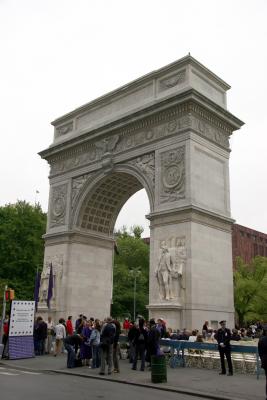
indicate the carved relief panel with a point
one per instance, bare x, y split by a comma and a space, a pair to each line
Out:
77, 186
57, 261
146, 165
58, 204
170, 268
172, 179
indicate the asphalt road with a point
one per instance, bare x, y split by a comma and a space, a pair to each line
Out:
24, 385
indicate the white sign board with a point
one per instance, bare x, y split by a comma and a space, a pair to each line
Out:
22, 318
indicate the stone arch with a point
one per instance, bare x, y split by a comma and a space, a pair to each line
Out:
104, 195
167, 132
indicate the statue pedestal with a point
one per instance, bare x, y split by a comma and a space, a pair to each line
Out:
172, 313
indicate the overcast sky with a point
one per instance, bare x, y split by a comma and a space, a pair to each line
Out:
57, 55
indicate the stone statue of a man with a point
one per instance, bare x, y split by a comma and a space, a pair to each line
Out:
164, 273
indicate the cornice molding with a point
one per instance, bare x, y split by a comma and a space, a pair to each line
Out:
84, 150
191, 213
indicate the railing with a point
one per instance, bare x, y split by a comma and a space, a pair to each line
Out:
178, 348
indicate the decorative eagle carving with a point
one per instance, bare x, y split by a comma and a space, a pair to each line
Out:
107, 145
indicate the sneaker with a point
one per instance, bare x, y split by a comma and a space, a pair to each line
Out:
230, 374
222, 373
101, 373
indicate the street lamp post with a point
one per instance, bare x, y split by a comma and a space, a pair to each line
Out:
135, 272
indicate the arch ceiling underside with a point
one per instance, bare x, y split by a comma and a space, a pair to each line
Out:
105, 200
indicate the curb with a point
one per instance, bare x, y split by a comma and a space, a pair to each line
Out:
171, 389
204, 395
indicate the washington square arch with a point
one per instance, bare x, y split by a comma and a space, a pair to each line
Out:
167, 132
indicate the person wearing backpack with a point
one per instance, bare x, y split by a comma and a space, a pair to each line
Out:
140, 343
107, 336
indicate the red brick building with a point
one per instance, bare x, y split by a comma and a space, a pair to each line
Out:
248, 243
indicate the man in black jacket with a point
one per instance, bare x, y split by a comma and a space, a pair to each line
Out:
223, 337
262, 346
107, 337
70, 342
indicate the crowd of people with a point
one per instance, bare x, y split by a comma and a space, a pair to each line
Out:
93, 343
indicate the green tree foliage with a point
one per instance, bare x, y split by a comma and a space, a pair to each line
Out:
250, 290
21, 246
133, 253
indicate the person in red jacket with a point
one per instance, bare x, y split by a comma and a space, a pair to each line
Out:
69, 326
126, 324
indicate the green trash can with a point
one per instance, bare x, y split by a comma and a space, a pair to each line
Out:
158, 369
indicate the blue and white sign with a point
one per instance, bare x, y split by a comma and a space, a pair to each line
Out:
21, 318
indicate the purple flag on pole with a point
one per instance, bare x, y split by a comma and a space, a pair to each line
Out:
50, 286
36, 289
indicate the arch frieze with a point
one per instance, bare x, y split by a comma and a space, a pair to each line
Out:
145, 132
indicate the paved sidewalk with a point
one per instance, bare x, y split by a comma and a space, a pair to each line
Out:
201, 382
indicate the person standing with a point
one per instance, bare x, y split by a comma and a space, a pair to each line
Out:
5, 337
69, 326
153, 341
60, 335
50, 335
140, 343
223, 337
116, 346
126, 325
94, 342
40, 335
85, 348
205, 329
262, 347
106, 343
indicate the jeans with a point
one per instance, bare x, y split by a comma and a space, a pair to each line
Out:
139, 351
71, 356
106, 356
95, 356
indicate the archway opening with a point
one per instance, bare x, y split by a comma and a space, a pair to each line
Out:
134, 213
108, 198
111, 195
